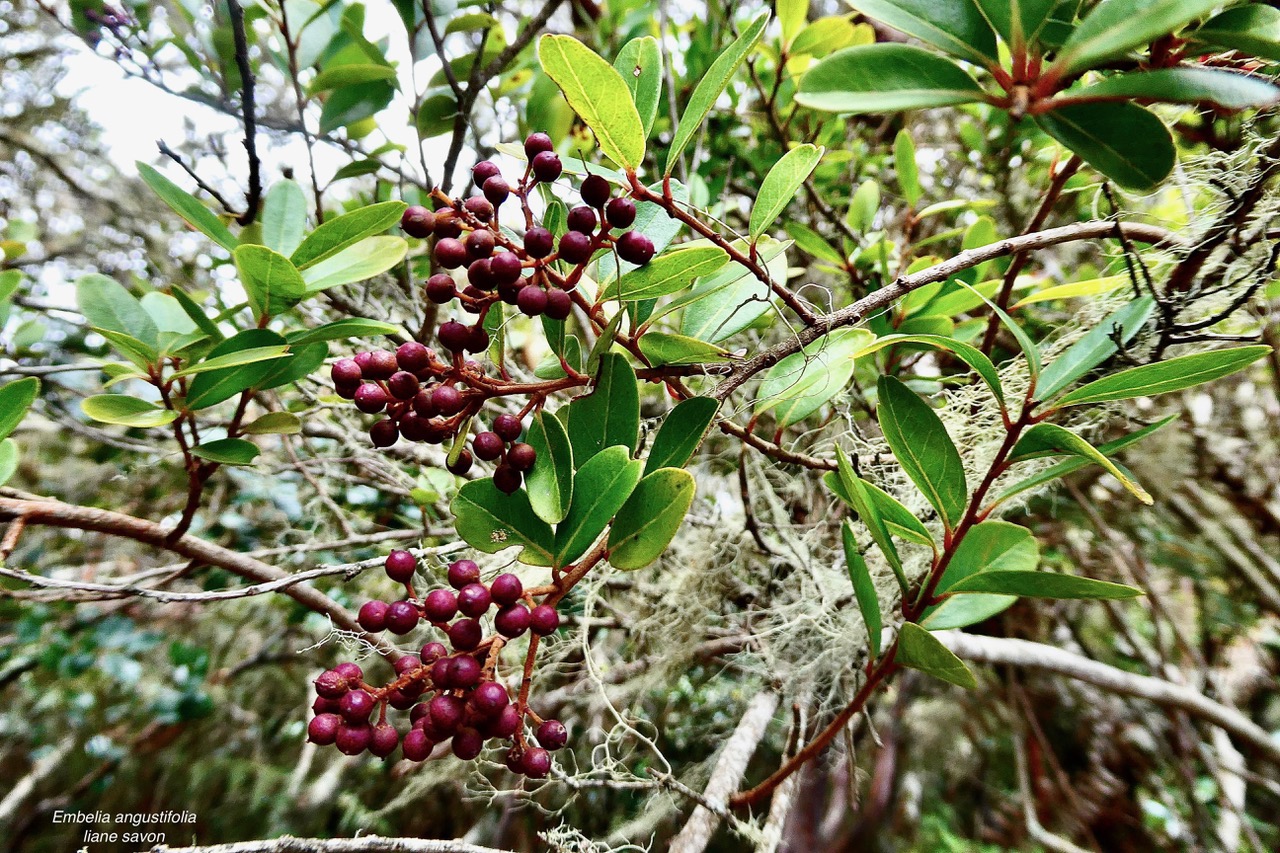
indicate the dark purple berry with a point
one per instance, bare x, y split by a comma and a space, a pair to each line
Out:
468, 744
440, 605
402, 617
417, 746
440, 678
505, 267
553, 735
480, 243
506, 589
363, 360
418, 711
635, 248
381, 365
532, 300
512, 620
510, 293
464, 671
559, 305
323, 729
483, 171
356, 706
547, 167
417, 221
406, 663
538, 242
506, 724
515, 761
507, 427
496, 189
446, 712
461, 465
370, 398
346, 390
474, 599
373, 616
413, 427
403, 385
331, 685
479, 207
536, 763
506, 479
521, 456
385, 740
450, 253
401, 565
575, 248
448, 400
478, 340
353, 740
582, 219
544, 620
447, 223
487, 446
620, 212
453, 335
489, 698
432, 652
403, 698
437, 431
351, 672
595, 190
423, 405
465, 634
480, 277
345, 371
322, 705
384, 433
413, 356
462, 573
441, 288
536, 143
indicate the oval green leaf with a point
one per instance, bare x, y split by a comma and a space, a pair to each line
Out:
779, 186
598, 94
1046, 439
1044, 585
864, 588
609, 415
666, 274
284, 217
662, 349
126, 411
346, 230
187, 206
227, 451
1115, 27
640, 64
955, 26
550, 483
106, 304
648, 521
1253, 29
491, 521
1227, 89
922, 447
1162, 377
370, 257
681, 433
918, 649
600, 488
885, 78
1123, 141
270, 280
15, 398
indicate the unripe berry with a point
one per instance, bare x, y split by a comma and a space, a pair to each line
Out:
402, 617
356, 706
413, 356
448, 400
532, 300
512, 621
354, 739
582, 218
536, 763
463, 572
418, 221
487, 446
384, 433
461, 465
536, 143
450, 253
538, 242
440, 605
417, 746
465, 634
547, 167
575, 248
474, 599
559, 305
506, 479
553, 735
635, 248
483, 171
402, 385
401, 565
506, 589
331, 685
373, 616
479, 207
381, 365
505, 267
370, 398
323, 729
446, 712
522, 456
468, 744
464, 671
480, 243
496, 189
453, 335
489, 698
345, 371
508, 427
441, 288
385, 740
544, 620
620, 212
595, 190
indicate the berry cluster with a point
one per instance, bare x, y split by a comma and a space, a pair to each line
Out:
453, 698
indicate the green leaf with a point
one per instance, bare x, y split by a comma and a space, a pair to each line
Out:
730, 300
306, 360
904, 165
864, 588
854, 487
989, 546
197, 315
214, 386
681, 433
967, 353
1017, 21
8, 459
1116, 27
955, 26
922, 447
780, 185
600, 488
648, 521
1162, 377
1253, 29
640, 64
918, 649
370, 257
662, 349
1123, 141
15, 398
270, 280
351, 104
126, 411
711, 86
491, 521
609, 415
235, 359
885, 78
436, 114
1050, 439
791, 16
227, 451
346, 230
598, 94
1044, 585
131, 348
187, 206
1074, 289
1069, 466
666, 274
351, 327
813, 243
1227, 89
167, 313
801, 383
1028, 346
897, 518
550, 483
284, 217
350, 75
275, 423
106, 304
825, 36
1097, 345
